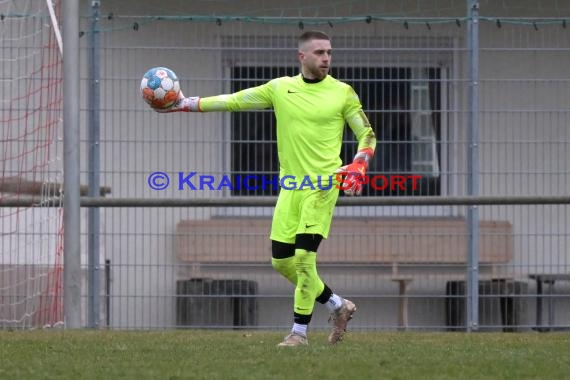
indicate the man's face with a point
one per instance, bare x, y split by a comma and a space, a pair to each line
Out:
315, 57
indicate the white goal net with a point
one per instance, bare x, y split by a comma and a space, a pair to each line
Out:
31, 238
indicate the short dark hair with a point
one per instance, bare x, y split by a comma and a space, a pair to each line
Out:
313, 35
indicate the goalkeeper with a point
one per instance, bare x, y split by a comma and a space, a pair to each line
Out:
311, 110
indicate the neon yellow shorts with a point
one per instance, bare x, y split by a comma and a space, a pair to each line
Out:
303, 212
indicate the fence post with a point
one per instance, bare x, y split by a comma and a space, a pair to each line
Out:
472, 291
94, 289
71, 206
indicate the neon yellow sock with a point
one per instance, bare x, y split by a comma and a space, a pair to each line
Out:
286, 267
309, 284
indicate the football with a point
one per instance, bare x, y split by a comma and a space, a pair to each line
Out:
160, 87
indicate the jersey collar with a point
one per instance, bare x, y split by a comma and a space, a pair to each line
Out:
312, 80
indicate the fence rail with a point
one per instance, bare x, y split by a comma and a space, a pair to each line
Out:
270, 201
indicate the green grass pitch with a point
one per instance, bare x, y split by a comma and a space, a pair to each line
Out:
206, 354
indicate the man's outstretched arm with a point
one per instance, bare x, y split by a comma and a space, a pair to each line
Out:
254, 98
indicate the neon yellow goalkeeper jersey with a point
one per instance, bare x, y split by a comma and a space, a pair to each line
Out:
310, 121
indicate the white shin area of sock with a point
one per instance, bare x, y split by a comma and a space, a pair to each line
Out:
334, 303
299, 329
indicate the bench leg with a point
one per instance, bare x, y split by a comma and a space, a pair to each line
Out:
550, 305
539, 304
509, 318
403, 302
540, 324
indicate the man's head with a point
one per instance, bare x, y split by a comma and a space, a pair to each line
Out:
314, 54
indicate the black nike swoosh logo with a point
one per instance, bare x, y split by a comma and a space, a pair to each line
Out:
309, 225
292, 92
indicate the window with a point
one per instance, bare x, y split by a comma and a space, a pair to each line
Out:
402, 103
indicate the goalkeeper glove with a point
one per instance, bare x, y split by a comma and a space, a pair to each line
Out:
183, 104
355, 173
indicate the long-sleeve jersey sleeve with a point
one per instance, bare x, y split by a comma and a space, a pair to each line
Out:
358, 122
254, 98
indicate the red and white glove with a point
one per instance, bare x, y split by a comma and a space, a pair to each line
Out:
183, 104
355, 173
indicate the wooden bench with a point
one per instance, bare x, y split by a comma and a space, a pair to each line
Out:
389, 241
351, 241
